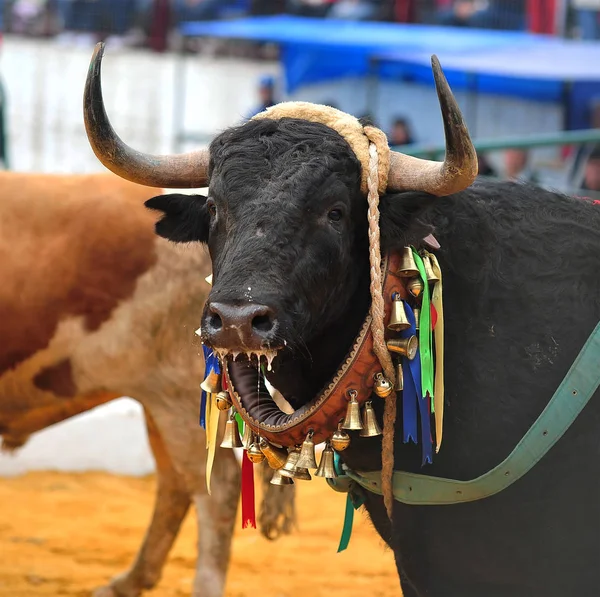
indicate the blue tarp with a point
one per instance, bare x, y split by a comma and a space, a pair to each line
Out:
535, 67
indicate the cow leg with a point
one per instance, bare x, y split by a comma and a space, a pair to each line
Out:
216, 517
172, 503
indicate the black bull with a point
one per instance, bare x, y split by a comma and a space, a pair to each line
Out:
285, 224
522, 293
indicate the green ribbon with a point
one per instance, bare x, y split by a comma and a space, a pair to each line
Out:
354, 501
240, 423
348, 522
425, 340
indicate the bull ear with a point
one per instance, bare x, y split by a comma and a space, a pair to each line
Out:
401, 221
185, 217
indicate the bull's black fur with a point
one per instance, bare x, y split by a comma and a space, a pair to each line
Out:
521, 271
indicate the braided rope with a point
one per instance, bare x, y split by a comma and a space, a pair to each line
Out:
378, 315
377, 301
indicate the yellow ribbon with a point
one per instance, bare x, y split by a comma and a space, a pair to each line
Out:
209, 400
438, 332
212, 426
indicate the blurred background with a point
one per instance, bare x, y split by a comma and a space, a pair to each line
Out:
526, 72
176, 72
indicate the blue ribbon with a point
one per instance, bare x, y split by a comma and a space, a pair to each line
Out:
412, 396
211, 363
409, 393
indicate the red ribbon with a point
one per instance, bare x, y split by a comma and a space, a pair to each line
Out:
248, 510
434, 317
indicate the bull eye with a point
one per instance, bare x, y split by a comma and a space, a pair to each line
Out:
335, 215
212, 208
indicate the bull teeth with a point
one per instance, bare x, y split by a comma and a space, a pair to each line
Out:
270, 356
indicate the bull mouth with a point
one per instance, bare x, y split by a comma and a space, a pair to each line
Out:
265, 407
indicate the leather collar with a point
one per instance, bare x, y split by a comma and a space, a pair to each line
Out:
356, 375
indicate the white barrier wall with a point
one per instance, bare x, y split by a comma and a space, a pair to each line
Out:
110, 438
44, 84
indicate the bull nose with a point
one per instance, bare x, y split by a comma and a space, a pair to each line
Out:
245, 327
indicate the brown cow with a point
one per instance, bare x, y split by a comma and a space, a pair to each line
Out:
94, 306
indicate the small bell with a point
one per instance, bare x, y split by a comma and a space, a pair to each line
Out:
289, 468
212, 383
223, 401
383, 388
326, 466
231, 438
405, 346
254, 454
302, 474
276, 457
429, 273
398, 319
417, 313
408, 267
340, 439
248, 437
307, 453
352, 420
399, 378
415, 286
279, 479
370, 425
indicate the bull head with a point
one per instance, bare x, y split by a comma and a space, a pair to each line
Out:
285, 225
191, 170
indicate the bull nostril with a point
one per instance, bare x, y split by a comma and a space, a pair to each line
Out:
262, 323
214, 321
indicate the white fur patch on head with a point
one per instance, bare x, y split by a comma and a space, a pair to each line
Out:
199, 190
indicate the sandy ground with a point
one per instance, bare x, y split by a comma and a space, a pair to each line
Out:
65, 534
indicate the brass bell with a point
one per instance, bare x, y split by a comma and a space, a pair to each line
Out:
370, 425
340, 439
289, 468
415, 286
231, 438
248, 437
279, 479
429, 273
212, 383
254, 454
352, 420
408, 267
383, 388
399, 378
398, 319
417, 313
307, 453
302, 474
327, 466
223, 401
276, 457
405, 346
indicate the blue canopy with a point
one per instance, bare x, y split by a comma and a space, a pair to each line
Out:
535, 67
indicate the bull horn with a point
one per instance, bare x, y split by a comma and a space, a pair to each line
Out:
189, 170
459, 168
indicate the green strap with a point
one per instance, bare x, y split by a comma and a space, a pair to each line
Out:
574, 392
